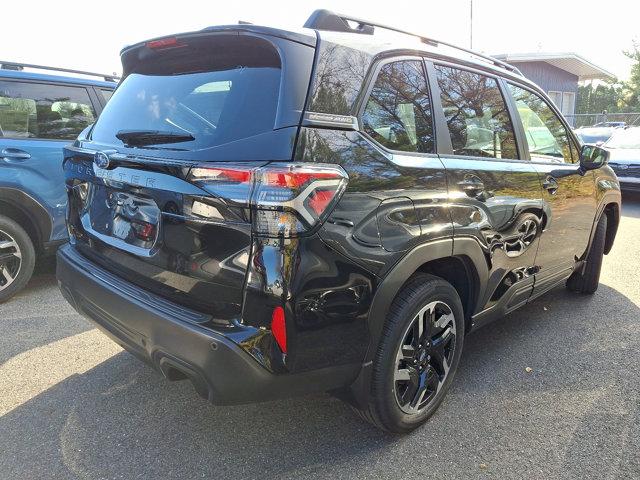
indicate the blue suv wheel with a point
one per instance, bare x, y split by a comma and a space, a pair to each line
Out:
17, 258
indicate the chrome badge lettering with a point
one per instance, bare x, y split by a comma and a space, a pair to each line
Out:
123, 176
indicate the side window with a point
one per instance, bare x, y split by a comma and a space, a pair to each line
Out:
546, 135
106, 94
38, 110
476, 114
398, 111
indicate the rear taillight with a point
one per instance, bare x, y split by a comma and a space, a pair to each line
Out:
285, 199
293, 199
228, 182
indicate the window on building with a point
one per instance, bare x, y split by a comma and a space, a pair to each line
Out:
556, 98
568, 103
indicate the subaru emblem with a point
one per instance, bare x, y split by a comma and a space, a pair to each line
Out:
101, 160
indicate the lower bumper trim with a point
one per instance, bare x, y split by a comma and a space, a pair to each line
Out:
219, 369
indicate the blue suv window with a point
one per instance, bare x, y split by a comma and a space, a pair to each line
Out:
39, 110
106, 94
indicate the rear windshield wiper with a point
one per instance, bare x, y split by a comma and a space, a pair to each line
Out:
138, 138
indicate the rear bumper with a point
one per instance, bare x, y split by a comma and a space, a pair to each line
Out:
172, 341
50, 247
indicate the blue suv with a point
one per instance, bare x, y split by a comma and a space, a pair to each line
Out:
39, 114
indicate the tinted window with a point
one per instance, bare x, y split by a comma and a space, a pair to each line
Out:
477, 116
218, 91
547, 137
38, 110
106, 94
398, 112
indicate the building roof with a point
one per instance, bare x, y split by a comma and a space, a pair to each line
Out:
569, 62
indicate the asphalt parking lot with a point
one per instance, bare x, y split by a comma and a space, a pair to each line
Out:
74, 405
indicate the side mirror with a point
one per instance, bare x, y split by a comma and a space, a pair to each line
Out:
593, 157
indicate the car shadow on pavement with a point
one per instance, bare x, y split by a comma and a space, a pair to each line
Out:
567, 349
37, 315
121, 419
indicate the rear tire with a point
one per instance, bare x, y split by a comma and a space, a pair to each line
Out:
417, 356
17, 258
589, 279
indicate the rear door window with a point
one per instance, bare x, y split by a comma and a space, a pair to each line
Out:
216, 91
39, 110
398, 112
476, 114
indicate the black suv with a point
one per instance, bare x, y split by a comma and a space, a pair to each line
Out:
269, 213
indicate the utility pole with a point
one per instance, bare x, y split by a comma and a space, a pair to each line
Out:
471, 25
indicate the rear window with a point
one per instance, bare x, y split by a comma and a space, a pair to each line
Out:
217, 90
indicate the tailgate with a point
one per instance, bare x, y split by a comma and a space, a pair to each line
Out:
147, 224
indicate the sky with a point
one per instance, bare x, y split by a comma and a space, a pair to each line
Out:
71, 34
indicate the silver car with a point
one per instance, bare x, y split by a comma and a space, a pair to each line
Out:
624, 147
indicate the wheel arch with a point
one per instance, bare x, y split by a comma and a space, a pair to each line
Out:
612, 211
460, 272
461, 262
28, 213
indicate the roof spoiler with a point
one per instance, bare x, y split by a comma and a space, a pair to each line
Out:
21, 66
337, 22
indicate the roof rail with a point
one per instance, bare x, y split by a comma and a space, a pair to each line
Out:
19, 66
337, 22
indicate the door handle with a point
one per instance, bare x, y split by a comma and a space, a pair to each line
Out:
471, 185
14, 154
550, 184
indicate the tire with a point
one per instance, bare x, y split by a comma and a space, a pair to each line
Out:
17, 258
588, 281
400, 363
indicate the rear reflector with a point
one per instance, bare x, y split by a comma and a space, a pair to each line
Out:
279, 328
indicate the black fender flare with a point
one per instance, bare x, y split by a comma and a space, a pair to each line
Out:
30, 209
393, 282
609, 197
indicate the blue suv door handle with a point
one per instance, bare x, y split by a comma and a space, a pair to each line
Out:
14, 154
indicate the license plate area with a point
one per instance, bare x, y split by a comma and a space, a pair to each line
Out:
123, 219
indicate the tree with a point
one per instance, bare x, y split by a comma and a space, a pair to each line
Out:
596, 98
613, 96
630, 98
